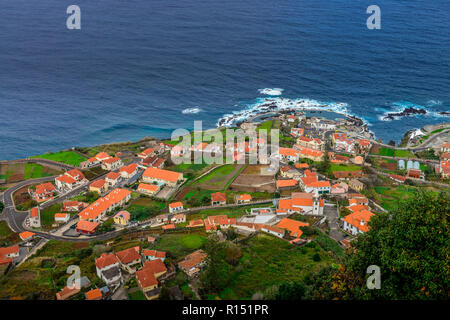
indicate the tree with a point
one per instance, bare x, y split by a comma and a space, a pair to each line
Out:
410, 246
291, 291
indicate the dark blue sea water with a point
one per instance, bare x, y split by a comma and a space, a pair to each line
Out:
136, 65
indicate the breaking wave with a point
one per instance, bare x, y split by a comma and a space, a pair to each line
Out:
191, 111
271, 91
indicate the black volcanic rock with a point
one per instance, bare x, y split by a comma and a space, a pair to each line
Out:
405, 113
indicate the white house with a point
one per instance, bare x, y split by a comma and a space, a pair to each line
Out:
175, 207
108, 268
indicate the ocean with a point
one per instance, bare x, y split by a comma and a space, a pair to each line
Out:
146, 67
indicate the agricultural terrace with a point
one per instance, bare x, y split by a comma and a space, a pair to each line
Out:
68, 157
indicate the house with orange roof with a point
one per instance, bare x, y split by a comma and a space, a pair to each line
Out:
91, 162
76, 174
148, 283
297, 132
26, 235
122, 218
108, 268
309, 153
243, 198
168, 227
196, 223
7, 254
311, 143
361, 200
307, 179
97, 210
318, 187
444, 169
288, 154
43, 192
35, 217
61, 217
100, 186
192, 263
112, 164
66, 293
94, 294
445, 156
129, 171
218, 198
364, 145
356, 222
357, 160
161, 176
146, 153
113, 178
415, 174
358, 207
445, 147
273, 230
301, 202
347, 175
86, 227
302, 165
65, 183
129, 259
178, 218
149, 189
153, 255
284, 184
288, 172
74, 206
176, 207
293, 226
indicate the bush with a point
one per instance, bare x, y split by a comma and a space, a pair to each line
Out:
316, 257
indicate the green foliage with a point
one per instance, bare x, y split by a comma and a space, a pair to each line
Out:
1, 206
410, 246
291, 291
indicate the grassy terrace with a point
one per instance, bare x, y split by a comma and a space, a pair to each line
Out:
343, 167
68, 157
388, 152
269, 261
181, 244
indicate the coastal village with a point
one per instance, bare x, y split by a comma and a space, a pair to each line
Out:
136, 223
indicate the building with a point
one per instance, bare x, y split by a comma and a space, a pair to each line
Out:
339, 188
94, 294
347, 175
192, 263
301, 202
356, 222
297, 132
364, 145
147, 278
97, 210
341, 143
44, 192
67, 293
243, 198
146, 153
276, 231
415, 174
129, 259
26, 235
122, 218
161, 176
444, 169
153, 255
196, 223
86, 227
149, 189
218, 199
178, 218
356, 185
108, 269
129, 171
293, 226
35, 217
176, 207
288, 172
112, 164
318, 187
70, 179
358, 201
311, 143
62, 217
7, 254
100, 186
74, 206
283, 184
397, 178
445, 147
289, 154
113, 178
309, 153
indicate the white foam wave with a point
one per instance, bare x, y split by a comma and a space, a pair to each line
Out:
191, 110
271, 91
264, 105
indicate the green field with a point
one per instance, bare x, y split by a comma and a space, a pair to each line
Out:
389, 197
404, 154
144, 208
343, 167
386, 152
34, 170
68, 157
180, 244
269, 261
48, 214
266, 126
137, 295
